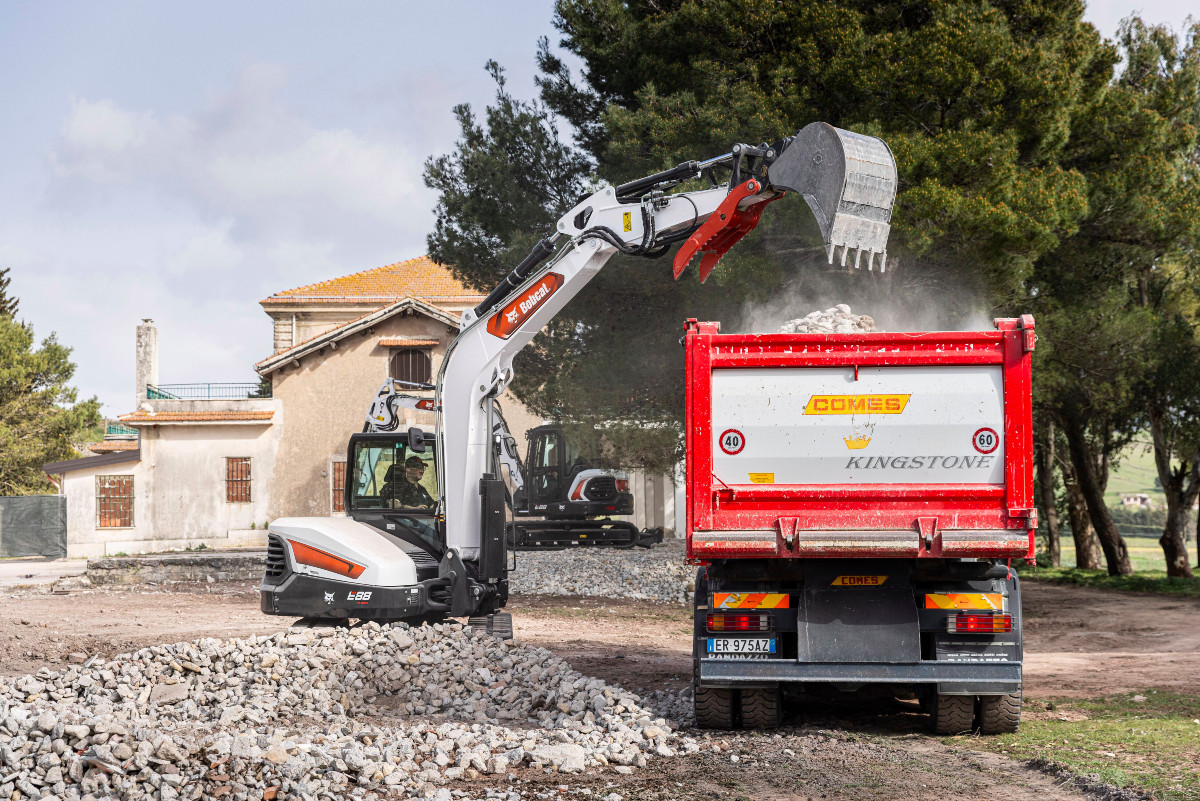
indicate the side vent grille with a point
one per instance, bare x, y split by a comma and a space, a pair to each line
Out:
276, 557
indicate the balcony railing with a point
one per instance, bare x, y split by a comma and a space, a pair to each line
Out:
118, 430
208, 391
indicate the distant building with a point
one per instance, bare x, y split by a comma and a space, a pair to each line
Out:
214, 463
1139, 499
336, 342
196, 470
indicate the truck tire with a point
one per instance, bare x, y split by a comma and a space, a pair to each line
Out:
761, 709
953, 714
714, 707
1000, 714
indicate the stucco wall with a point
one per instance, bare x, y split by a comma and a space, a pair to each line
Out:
179, 487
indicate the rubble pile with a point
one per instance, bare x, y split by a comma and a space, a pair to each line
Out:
836, 320
655, 574
318, 713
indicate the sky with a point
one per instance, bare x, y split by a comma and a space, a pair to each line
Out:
182, 161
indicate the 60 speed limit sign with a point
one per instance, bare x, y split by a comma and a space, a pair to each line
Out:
985, 440
732, 441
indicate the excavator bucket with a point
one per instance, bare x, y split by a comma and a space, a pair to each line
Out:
849, 181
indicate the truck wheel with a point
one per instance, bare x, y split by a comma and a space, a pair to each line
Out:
1000, 714
953, 714
761, 708
714, 707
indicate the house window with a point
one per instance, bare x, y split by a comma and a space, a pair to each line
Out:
114, 501
411, 364
339, 486
237, 479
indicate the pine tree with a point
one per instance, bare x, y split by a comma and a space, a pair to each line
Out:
8, 303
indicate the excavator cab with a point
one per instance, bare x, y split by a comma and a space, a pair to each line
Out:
576, 500
391, 484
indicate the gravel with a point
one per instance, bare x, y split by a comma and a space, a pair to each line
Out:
836, 320
321, 713
655, 574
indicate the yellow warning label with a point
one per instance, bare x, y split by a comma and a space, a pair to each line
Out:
965, 600
750, 600
627, 220
762, 478
856, 404
858, 581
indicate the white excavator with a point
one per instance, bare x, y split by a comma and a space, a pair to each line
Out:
437, 546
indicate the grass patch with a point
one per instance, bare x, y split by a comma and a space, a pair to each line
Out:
1153, 744
1155, 581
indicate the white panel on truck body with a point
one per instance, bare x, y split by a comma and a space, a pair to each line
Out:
893, 425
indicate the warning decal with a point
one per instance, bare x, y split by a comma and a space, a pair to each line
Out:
762, 478
965, 600
750, 600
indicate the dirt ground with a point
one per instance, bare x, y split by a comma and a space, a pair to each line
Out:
1079, 643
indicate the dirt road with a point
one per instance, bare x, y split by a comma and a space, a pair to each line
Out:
1080, 643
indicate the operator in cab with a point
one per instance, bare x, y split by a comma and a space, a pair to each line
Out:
408, 492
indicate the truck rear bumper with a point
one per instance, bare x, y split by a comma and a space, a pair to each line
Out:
951, 678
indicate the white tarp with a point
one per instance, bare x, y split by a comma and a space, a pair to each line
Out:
893, 425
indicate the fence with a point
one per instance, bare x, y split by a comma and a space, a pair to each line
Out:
208, 391
33, 525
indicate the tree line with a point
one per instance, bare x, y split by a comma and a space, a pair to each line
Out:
1043, 169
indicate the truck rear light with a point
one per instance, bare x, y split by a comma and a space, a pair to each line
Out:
622, 485
741, 622
315, 557
979, 624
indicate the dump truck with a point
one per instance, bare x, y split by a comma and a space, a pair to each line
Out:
854, 502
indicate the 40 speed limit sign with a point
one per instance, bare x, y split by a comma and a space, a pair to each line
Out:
985, 440
732, 441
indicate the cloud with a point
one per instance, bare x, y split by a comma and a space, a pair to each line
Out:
191, 218
245, 156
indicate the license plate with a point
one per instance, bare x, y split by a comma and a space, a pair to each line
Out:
740, 645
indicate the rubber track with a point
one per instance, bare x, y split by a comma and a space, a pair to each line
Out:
1000, 714
713, 707
760, 709
953, 714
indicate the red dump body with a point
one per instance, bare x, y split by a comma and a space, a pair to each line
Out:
900, 445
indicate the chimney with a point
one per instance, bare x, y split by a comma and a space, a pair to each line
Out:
146, 359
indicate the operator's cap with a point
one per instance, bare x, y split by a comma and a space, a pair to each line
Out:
414, 461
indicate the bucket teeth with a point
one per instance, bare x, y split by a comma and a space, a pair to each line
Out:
849, 181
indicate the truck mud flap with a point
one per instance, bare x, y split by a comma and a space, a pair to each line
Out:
857, 624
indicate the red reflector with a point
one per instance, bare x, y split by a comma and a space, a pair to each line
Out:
744, 622
979, 624
315, 557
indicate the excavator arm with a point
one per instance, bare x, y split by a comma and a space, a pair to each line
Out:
848, 180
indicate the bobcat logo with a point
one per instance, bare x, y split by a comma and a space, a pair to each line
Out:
329, 597
512, 316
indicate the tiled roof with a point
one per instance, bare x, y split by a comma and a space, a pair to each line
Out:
113, 445
419, 278
393, 342
196, 417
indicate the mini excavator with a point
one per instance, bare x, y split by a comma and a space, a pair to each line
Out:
444, 551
